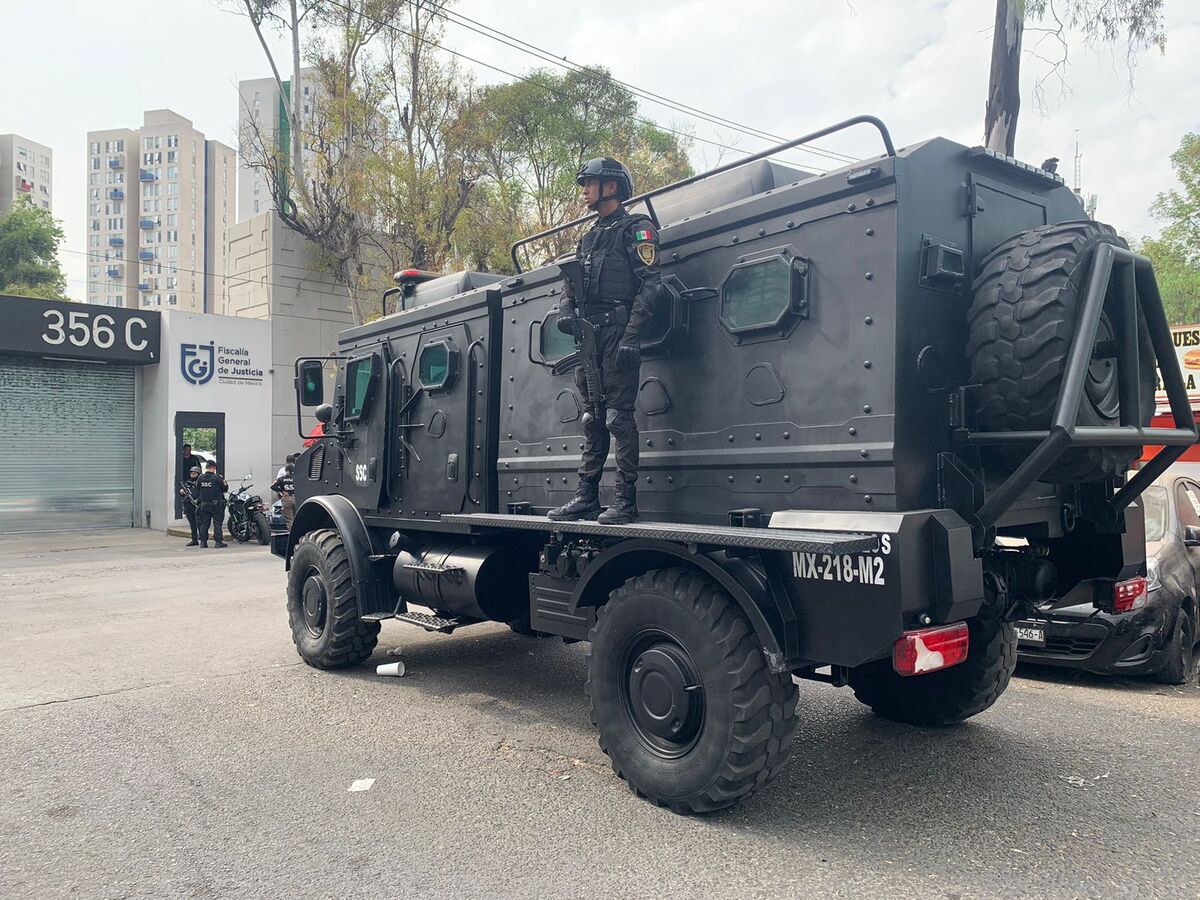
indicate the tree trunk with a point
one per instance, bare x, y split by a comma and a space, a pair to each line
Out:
1004, 80
296, 103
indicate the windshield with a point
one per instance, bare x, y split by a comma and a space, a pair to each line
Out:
1155, 501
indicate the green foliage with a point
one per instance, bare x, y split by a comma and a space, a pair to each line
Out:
533, 135
1176, 252
29, 239
203, 440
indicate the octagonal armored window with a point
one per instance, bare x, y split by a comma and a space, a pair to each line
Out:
437, 365
757, 295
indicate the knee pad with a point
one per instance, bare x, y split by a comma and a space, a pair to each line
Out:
621, 423
593, 429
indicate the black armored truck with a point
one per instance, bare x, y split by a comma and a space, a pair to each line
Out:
885, 412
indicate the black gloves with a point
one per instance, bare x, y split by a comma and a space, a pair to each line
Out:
566, 323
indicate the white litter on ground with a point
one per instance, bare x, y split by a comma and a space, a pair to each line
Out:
361, 784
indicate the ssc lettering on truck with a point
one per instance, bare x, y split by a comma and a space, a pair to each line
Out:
861, 568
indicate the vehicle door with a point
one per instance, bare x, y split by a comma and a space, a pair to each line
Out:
362, 424
441, 454
1187, 504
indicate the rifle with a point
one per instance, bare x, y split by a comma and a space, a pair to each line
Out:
585, 333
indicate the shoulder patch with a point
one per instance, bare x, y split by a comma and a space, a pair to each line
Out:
647, 252
645, 233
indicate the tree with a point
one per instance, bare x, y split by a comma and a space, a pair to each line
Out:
1176, 251
29, 239
1139, 23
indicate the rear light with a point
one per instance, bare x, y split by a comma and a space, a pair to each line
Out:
930, 649
1129, 595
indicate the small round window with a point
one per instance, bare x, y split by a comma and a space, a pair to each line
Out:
757, 295
437, 365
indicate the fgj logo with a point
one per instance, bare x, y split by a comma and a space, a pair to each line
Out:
197, 362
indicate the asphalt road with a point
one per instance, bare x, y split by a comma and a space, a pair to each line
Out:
160, 738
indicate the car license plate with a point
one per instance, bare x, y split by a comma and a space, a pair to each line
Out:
1030, 635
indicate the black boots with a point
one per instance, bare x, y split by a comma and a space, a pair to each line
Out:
624, 506
584, 505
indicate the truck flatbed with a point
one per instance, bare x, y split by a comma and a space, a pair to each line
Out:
807, 541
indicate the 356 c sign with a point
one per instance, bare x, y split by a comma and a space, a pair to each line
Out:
83, 328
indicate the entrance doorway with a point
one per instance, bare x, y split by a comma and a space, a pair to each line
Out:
205, 433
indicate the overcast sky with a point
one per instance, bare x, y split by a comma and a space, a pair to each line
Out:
782, 67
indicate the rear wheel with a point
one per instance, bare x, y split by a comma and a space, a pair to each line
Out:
1026, 307
687, 711
1182, 662
323, 607
948, 696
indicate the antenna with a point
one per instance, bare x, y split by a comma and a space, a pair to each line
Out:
1078, 165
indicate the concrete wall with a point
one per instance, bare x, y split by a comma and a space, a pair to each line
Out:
273, 275
240, 387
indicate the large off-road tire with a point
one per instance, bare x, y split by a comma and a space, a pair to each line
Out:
948, 696
1027, 302
679, 689
322, 606
1180, 659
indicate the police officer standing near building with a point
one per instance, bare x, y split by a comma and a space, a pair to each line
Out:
211, 488
191, 499
621, 281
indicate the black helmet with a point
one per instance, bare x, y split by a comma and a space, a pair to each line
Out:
607, 169
195, 469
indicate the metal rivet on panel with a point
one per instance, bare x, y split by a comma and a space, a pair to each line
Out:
787, 478
869, 320
867, 408
730, 479
863, 453
758, 478
866, 365
866, 498
870, 201
758, 437
850, 207
670, 479
869, 276
870, 232
854, 479
853, 431
787, 435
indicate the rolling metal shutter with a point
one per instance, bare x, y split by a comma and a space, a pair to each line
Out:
66, 445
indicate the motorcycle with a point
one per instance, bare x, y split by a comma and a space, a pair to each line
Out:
247, 515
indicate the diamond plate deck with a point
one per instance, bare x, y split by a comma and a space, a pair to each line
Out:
709, 535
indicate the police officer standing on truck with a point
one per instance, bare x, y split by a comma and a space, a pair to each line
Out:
621, 281
191, 500
211, 488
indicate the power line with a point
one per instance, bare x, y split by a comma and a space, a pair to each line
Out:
562, 61
538, 84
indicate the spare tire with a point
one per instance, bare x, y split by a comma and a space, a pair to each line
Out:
1027, 301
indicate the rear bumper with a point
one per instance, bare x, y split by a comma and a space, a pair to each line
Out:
1082, 637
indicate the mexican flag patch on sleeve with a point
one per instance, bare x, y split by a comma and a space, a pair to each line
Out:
643, 234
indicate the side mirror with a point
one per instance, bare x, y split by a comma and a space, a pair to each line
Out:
324, 413
312, 384
1191, 536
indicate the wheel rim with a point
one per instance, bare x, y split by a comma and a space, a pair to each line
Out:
662, 694
1102, 385
313, 602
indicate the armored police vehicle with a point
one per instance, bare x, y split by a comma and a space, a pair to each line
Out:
884, 411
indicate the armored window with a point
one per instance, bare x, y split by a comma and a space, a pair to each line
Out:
769, 294
437, 365
362, 375
554, 344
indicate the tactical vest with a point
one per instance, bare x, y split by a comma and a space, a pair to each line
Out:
608, 272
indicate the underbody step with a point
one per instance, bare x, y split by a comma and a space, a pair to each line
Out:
443, 625
432, 568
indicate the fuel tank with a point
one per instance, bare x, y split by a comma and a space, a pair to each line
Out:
478, 581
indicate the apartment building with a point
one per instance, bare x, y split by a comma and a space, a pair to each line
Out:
159, 201
261, 110
26, 170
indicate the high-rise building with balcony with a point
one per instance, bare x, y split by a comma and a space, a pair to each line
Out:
26, 170
261, 116
159, 201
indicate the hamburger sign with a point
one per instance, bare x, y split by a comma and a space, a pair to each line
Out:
1186, 339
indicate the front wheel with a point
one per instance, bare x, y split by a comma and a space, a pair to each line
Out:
262, 528
239, 527
1182, 662
323, 607
688, 713
948, 696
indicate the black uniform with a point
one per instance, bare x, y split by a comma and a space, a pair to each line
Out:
191, 498
211, 489
621, 284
